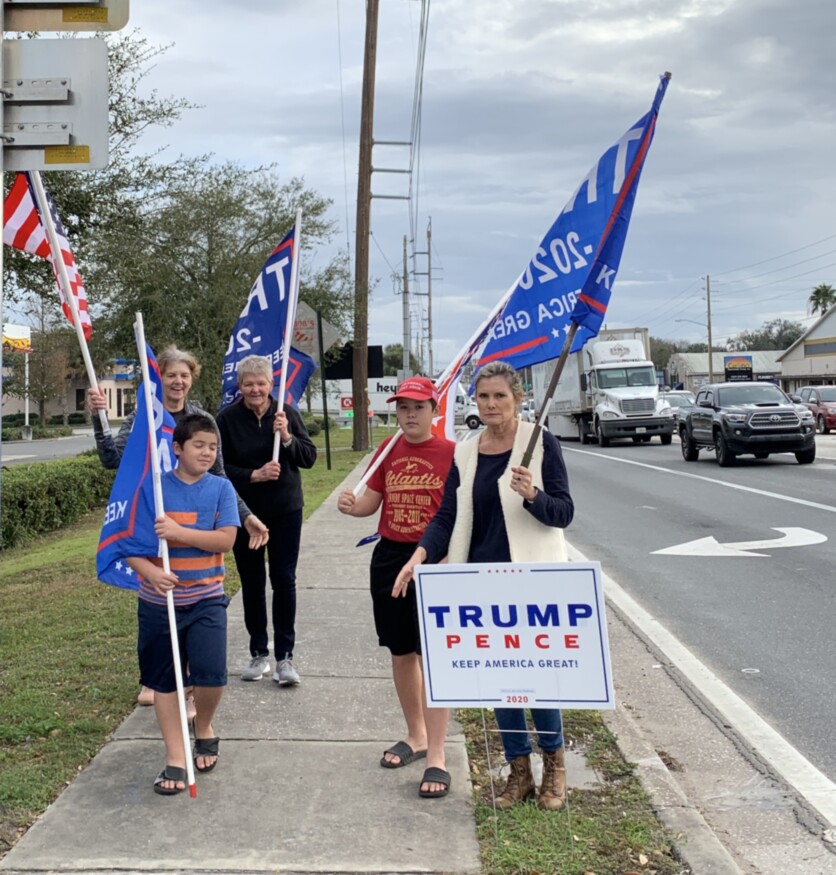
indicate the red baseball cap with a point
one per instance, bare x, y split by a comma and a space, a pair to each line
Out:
416, 388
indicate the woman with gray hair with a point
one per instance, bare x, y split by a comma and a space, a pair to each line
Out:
178, 371
274, 491
496, 511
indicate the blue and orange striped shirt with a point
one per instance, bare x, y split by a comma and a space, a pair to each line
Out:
207, 504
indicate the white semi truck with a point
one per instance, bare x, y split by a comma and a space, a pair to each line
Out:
607, 391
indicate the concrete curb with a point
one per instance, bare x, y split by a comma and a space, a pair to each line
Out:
695, 841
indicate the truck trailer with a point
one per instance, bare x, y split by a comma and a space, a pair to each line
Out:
607, 391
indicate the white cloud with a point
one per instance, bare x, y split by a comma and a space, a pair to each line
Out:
519, 100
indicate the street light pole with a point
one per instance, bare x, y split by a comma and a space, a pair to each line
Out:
710, 353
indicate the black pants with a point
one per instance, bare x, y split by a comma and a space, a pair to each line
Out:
282, 554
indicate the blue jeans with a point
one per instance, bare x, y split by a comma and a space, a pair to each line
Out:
514, 731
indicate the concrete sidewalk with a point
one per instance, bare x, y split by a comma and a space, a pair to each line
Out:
298, 787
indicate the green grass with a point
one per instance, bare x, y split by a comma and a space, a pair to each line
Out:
68, 678
68, 674
609, 830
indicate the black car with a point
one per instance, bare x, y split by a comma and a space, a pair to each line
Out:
737, 419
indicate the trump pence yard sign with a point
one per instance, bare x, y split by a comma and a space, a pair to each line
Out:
514, 635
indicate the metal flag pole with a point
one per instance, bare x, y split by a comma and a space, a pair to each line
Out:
293, 297
159, 511
64, 279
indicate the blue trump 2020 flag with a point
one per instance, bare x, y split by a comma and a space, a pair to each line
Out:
261, 326
571, 275
128, 528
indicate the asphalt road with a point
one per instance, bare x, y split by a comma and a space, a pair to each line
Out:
763, 623
23, 452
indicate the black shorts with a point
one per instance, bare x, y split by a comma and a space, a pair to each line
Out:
201, 635
395, 620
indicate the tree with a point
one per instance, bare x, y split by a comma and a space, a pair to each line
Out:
661, 351
772, 335
182, 241
189, 263
52, 363
91, 200
821, 299
393, 360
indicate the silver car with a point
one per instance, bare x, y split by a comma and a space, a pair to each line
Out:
681, 401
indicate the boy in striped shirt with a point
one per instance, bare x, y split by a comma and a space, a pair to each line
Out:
200, 524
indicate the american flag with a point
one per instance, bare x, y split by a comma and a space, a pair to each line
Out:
24, 229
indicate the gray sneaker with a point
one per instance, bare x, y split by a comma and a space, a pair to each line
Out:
258, 667
286, 674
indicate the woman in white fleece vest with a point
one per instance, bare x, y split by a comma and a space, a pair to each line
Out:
494, 510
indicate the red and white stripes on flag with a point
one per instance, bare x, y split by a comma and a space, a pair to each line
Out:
24, 229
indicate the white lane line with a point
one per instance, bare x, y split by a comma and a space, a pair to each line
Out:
16, 458
812, 784
815, 504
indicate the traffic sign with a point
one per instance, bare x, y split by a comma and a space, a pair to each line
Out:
55, 107
305, 332
75, 15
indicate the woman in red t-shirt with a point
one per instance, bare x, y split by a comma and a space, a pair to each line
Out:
408, 485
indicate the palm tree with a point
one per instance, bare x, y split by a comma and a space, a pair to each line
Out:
822, 298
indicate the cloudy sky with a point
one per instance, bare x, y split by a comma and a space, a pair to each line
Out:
520, 98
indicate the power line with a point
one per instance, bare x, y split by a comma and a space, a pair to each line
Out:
776, 270
775, 257
786, 278
380, 250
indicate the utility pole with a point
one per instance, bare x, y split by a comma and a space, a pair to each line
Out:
407, 370
708, 321
430, 297
429, 294
361, 260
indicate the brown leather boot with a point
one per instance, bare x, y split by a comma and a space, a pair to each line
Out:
553, 788
519, 786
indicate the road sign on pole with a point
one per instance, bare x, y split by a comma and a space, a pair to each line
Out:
75, 15
55, 104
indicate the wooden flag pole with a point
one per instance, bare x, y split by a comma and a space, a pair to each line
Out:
558, 370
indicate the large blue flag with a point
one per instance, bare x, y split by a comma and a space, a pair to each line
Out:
261, 326
571, 275
128, 528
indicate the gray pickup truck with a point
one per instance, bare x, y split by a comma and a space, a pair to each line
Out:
737, 419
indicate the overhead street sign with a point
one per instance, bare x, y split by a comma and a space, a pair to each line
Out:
55, 108
70, 15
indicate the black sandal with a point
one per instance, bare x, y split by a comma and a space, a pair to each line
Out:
206, 747
170, 773
434, 775
405, 754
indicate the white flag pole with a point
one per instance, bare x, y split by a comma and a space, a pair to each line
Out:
456, 362
293, 297
64, 279
377, 463
159, 511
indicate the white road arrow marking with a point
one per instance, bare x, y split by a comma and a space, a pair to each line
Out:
792, 537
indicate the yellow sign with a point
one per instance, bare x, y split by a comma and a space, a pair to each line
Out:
66, 154
17, 338
85, 13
